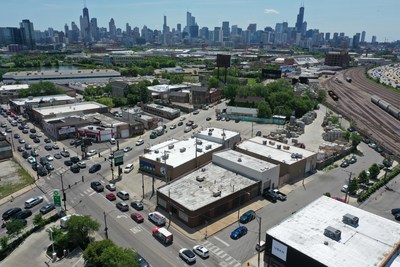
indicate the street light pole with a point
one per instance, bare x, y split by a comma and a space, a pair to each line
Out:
259, 240
105, 224
64, 195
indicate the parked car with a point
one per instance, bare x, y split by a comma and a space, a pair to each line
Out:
271, 196
31, 160
33, 201
91, 153
208, 118
187, 255
23, 214
111, 187
16, 136
75, 168
21, 149
139, 142
180, 123
123, 195
49, 158
259, 133
187, 129
128, 168
49, 167
48, 147
55, 146
353, 160
122, 206
64, 153
74, 159
10, 213
97, 186
21, 141
96, 167
32, 130
127, 149
42, 171
25, 154
173, 126
137, 205
239, 232
81, 164
201, 251
194, 126
189, 123
57, 156
34, 153
137, 217
344, 164
47, 208
344, 188
281, 196
68, 163
111, 197
47, 140
248, 216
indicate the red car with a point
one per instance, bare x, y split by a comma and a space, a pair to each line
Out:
111, 197
137, 217
21, 149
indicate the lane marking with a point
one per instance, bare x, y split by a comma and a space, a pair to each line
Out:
222, 241
92, 194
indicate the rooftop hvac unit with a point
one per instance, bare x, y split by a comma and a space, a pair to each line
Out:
200, 179
264, 142
278, 146
90, 128
208, 146
158, 159
199, 149
203, 169
156, 151
209, 133
165, 156
239, 160
210, 129
199, 142
286, 147
216, 193
350, 219
171, 146
183, 149
272, 143
332, 233
299, 156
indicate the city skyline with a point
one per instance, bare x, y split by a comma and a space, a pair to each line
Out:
354, 18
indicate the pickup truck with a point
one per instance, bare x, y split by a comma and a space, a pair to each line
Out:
281, 196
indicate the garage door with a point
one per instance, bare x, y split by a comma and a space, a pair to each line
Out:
125, 133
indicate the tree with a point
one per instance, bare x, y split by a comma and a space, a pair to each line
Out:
38, 220
374, 170
353, 186
4, 242
363, 178
79, 228
355, 140
39, 89
264, 110
106, 253
387, 163
15, 226
213, 82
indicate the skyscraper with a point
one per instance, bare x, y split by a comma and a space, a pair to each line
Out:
85, 25
363, 36
225, 31
94, 29
112, 29
28, 34
300, 20
165, 30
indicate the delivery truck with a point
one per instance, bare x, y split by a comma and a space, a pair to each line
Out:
163, 235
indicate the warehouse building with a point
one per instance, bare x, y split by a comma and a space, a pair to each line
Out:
26, 104
295, 163
231, 180
329, 233
8, 92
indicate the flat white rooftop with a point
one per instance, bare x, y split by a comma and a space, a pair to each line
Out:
162, 88
245, 160
159, 107
57, 74
365, 245
74, 107
270, 150
194, 195
217, 133
175, 156
47, 98
13, 87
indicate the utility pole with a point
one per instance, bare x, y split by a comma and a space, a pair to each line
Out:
259, 240
112, 170
142, 186
348, 186
64, 195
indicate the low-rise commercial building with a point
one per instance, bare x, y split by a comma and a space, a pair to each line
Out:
131, 115
5, 149
175, 158
228, 139
329, 233
295, 163
8, 92
161, 111
25, 105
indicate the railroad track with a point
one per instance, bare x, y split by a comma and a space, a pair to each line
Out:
354, 102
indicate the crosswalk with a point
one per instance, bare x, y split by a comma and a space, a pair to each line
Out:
227, 260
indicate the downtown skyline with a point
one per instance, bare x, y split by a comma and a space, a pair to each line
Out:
355, 17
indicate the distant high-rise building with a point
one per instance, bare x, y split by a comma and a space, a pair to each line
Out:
179, 27
66, 29
225, 31
356, 40
327, 36
94, 29
111, 28
300, 20
217, 34
85, 25
128, 29
279, 27
165, 30
28, 34
10, 35
252, 27
204, 33
363, 36
373, 40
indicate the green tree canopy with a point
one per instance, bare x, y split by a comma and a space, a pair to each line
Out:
353, 186
363, 178
15, 227
264, 110
105, 253
374, 170
355, 139
79, 228
40, 89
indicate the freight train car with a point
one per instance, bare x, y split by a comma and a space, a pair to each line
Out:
392, 110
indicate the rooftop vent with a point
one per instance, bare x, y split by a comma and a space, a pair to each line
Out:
278, 146
216, 193
90, 128
171, 146
165, 156
200, 179
199, 149
272, 143
183, 149
332, 233
156, 151
286, 147
209, 133
199, 142
158, 159
203, 169
239, 160
264, 142
350, 219
208, 147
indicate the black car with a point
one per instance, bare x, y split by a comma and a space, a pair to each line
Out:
16, 136
23, 214
74, 159
72, 142
36, 140
42, 171
35, 166
95, 168
8, 130
49, 167
97, 186
180, 123
10, 213
47, 140
68, 163
75, 168
47, 208
395, 211
271, 196
258, 133
57, 156
142, 262
32, 136
43, 160
32, 130
28, 146
25, 131
34, 153
25, 154
20, 127
48, 147
137, 205
64, 153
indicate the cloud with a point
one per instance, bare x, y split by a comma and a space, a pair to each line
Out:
271, 11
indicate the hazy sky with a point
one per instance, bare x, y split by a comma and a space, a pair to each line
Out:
376, 17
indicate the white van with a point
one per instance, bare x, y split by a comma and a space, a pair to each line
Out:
113, 141
157, 218
63, 220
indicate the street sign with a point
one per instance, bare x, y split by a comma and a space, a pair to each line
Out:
119, 157
57, 198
